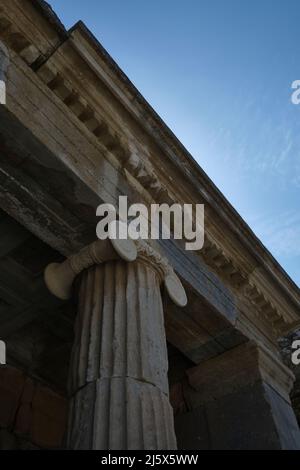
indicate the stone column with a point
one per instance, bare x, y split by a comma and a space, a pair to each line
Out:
118, 375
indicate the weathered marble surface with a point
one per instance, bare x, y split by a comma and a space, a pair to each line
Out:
118, 380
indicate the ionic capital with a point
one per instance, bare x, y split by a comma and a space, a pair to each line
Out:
59, 278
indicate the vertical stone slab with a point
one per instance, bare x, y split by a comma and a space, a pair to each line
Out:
239, 400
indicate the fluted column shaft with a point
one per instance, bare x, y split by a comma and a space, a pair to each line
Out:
118, 374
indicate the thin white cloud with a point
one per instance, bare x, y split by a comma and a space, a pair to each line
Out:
280, 232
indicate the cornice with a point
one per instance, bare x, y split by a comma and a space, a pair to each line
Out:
16, 40
267, 309
19, 29
48, 12
223, 264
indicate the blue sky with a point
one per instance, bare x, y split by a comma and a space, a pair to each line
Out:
219, 73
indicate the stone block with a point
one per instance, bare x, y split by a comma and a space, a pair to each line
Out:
242, 421
192, 430
285, 420
24, 415
177, 399
49, 415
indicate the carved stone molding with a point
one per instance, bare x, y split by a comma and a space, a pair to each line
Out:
145, 174
16, 40
215, 257
266, 309
84, 111
111, 139
263, 306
